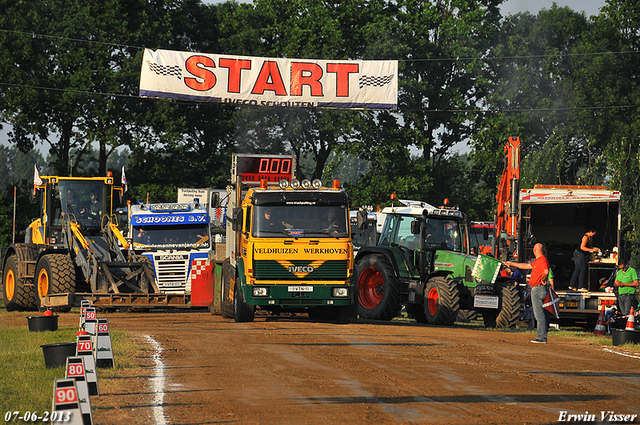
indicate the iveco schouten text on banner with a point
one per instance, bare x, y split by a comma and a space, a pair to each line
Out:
305, 83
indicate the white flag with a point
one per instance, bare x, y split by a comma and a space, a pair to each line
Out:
124, 180
37, 181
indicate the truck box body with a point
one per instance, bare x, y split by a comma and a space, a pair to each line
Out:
558, 217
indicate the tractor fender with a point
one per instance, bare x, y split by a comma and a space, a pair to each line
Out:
376, 250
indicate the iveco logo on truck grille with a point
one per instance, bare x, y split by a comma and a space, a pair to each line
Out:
301, 269
173, 257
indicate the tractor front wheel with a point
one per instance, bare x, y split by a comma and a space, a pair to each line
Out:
441, 301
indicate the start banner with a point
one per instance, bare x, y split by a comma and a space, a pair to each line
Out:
246, 80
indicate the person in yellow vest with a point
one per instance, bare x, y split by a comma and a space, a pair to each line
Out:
627, 282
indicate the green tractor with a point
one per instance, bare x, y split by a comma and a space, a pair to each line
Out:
423, 261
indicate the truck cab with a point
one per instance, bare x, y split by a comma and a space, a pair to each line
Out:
288, 245
176, 240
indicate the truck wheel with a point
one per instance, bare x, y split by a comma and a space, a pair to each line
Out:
226, 303
17, 296
347, 314
378, 289
55, 274
509, 305
242, 312
441, 301
416, 312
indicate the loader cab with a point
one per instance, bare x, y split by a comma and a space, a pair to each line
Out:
83, 201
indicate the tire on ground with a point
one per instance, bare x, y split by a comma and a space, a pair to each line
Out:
226, 302
466, 316
55, 274
378, 288
242, 312
509, 313
16, 295
441, 301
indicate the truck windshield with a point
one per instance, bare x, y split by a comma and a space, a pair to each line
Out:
172, 237
300, 221
81, 200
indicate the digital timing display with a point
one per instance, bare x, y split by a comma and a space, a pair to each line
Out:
272, 168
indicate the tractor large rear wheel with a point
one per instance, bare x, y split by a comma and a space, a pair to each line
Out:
17, 296
55, 274
378, 289
441, 301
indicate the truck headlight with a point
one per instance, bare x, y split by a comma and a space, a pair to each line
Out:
340, 292
259, 291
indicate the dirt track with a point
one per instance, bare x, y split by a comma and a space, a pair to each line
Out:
211, 370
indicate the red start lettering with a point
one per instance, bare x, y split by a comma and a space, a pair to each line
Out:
206, 78
303, 74
306, 74
235, 66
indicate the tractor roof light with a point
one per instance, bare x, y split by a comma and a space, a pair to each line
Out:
283, 184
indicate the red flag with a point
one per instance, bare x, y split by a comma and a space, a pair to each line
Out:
551, 302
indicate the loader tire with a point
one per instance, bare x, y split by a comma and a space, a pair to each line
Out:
17, 296
226, 302
441, 301
55, 274
242, 312
378, 289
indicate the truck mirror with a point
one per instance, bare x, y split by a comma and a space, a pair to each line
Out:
415, 226
485, 233
237, 219
361, 219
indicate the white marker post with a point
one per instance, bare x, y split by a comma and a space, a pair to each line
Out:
84, 348
104, 353
84, 304
76, 371
66, 407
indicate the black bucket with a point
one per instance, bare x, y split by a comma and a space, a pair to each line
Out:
622, 336
42, 323
55, 355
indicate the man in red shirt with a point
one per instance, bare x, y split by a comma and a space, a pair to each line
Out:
538, 282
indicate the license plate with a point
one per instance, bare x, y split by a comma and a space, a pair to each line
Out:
300, 288
486, 301
572, 304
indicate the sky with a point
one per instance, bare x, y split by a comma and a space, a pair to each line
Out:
590, 7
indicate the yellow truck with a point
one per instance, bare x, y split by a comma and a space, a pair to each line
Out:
288, 244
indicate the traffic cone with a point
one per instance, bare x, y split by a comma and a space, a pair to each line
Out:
601, 328
631, 322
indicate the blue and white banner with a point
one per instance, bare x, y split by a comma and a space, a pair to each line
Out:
168, 219
246, 80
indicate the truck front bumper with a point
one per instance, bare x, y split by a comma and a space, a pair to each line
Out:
299, 295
